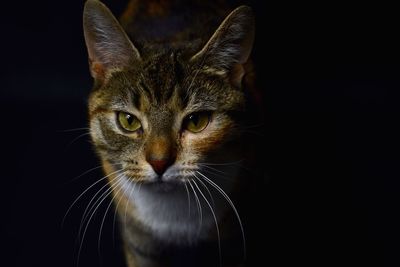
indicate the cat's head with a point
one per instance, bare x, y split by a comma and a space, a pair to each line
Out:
167, 115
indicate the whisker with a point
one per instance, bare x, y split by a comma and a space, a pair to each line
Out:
211, 168
116, 210
208, 165
91, 216
219, 189
222, 174
126, 206
215, 220
90, 207
198, 205
223, 163
205, 186
76, 139
74, 130
188, 196
105, 214
86, 172
218, 175
76, 200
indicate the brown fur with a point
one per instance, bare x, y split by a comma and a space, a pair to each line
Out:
162, 77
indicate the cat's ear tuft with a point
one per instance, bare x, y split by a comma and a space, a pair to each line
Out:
109, 47
230, 46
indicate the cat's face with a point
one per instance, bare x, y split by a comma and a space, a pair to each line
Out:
167, 115
159, 121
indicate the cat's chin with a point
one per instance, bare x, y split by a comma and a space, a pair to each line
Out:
162, 186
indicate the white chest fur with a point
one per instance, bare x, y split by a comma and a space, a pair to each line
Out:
170, 214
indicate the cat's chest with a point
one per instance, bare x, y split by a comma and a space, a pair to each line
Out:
174, 215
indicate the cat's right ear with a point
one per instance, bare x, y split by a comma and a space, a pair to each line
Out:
109, 47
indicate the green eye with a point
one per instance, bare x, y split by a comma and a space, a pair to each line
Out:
128, 121
197, 122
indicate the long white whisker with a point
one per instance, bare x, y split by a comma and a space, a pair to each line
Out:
218, 175
79, 176
133, 189
91, 216
116, 209
215, 220
206, 165
76, 200
235, 163
198, 204
76, 139
205, 186
219, 189
105, 214
126, 206
90, 207
73, 130
88, 211
211, 168
188, 196
222, 164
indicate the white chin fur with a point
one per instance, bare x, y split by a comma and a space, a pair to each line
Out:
166, 212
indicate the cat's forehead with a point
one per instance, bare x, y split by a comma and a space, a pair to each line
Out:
166, 81
157, 77
161, 72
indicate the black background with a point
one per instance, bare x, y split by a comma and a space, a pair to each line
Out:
330, 79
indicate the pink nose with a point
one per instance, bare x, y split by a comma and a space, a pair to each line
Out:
159, 166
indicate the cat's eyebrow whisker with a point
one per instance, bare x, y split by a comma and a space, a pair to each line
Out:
215, 220
87, 189
94, 212
222, 192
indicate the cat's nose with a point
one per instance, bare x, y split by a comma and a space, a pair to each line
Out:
160, 154
160, 165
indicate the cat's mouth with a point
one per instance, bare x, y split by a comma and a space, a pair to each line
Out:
161, 183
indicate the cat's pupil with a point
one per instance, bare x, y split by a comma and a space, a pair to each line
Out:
194, 118
129, 118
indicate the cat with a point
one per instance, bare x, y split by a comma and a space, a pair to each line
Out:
167, 114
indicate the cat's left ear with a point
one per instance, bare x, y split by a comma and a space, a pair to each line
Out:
109, 47
230, 46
